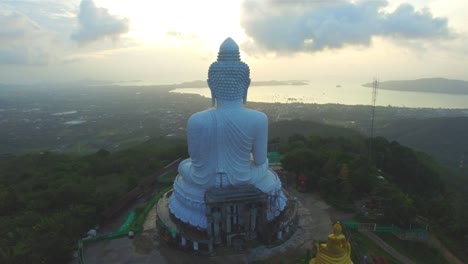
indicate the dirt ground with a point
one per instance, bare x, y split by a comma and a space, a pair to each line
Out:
315, 223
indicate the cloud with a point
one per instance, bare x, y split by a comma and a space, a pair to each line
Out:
408, 23
22, 41
310, 26
97, 23
58, 16
16, 27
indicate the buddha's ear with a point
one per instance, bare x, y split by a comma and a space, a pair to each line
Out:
213, 101
244, 98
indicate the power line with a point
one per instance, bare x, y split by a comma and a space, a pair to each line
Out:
375, 86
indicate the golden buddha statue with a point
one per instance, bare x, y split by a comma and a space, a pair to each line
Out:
337, 250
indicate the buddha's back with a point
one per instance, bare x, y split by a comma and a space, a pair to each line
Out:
221, 142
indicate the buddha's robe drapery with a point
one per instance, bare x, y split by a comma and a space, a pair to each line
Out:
227, 146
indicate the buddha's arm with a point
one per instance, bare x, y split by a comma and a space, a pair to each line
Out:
195, 136
259, 150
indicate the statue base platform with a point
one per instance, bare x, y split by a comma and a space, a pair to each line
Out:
236, 222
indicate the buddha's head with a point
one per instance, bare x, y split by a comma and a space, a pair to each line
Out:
337, 228
228, 77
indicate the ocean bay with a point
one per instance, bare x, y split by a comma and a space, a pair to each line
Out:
347, 94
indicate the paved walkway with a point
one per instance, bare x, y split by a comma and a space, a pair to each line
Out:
403, 259
150, 221
314, 224
449, 256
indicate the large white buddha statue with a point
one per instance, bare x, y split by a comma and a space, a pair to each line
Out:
227, 144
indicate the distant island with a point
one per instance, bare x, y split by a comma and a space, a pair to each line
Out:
428, 85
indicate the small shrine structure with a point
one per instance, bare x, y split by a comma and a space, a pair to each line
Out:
337, 250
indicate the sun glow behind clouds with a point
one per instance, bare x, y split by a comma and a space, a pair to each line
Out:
176, 40
166, 22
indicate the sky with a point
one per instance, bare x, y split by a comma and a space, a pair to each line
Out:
173, 41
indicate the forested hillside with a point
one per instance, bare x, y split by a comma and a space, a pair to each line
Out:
47, 200
285, 129
409, 184
442, 138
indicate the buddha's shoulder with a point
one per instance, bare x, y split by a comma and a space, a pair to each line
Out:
255, 113
203, 113
246, 114
201, 117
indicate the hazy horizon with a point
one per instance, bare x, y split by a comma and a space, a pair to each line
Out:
427, 93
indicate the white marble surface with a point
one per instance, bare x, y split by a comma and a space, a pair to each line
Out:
227, 144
